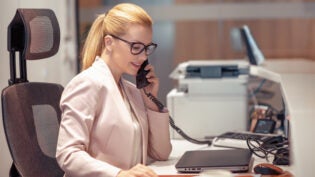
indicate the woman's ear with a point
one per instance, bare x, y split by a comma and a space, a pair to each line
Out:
108, 41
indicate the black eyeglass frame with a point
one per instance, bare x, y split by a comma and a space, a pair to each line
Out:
145, 47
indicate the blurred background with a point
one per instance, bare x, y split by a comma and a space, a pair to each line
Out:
203, 29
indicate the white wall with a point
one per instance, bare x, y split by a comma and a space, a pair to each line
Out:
58, 69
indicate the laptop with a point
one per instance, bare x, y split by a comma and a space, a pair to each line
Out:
234, 160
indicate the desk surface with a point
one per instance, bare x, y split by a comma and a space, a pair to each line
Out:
167, 168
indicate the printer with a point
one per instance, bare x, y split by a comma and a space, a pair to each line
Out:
210, 97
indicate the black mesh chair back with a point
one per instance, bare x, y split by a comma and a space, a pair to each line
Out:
31, 114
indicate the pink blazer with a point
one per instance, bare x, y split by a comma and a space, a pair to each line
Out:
94, 136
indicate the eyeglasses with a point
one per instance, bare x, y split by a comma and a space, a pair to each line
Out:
137, 47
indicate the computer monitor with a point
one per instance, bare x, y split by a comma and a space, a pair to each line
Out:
254, 54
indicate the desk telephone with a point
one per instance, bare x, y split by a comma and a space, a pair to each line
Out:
141, 82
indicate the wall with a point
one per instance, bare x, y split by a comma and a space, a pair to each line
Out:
281, 28
58, 69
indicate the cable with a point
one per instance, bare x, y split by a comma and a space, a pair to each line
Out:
184, 135
276, 146
253, 93
172, 123
154, 100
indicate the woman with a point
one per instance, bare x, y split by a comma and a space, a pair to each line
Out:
108, 126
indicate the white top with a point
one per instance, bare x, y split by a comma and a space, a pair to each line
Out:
137, 143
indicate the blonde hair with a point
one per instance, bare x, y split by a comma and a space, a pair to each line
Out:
115, 22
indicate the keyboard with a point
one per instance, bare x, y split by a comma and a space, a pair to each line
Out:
238, 139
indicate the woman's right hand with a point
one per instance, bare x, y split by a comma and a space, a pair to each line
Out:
138, 171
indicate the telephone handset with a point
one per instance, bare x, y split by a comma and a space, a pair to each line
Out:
141, 81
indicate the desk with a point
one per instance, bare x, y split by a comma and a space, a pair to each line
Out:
299, 92
298, 85
284, 66
179, 148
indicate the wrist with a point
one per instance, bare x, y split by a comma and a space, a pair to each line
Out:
150, 105
121, 173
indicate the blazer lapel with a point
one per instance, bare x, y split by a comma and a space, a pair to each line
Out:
115, 93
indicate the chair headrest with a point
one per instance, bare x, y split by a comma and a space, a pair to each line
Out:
35, 33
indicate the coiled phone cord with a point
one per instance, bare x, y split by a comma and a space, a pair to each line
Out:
172, 123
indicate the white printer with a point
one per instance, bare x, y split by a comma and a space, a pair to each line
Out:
210, 98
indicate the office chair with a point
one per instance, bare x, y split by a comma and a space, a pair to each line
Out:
31, 114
